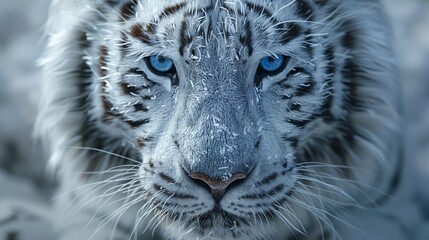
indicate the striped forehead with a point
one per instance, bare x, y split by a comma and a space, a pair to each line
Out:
235, 23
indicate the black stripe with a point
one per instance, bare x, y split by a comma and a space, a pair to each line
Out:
137, 123
151, 28
327, 104
172, 10
125, 45
321, 2
304, 10
140, 107
290, 32
168, 179
148, 97
394, 182
308, 43
128, 10
295, 106
349, 38
294, 141
246, 38
138, 32
284, 85
304, 88
297, 70
330, 58
299, 123
286, 97
129, 89
209, 29
107, 105
274, 191
185, 39
171, 194
351, 99
94, 138
142, 142
102, 62
89, 132
259, 9
338, 146
327, 91
111, 2
143, 32
325, 235
137, 71
83, 40
267, 180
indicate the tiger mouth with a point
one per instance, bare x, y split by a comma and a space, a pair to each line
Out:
218, 218
228, 220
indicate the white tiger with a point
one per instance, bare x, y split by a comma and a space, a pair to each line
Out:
222, 119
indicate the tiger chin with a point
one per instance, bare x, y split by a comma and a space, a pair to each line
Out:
215, 119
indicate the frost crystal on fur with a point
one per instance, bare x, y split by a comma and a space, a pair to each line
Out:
217, 146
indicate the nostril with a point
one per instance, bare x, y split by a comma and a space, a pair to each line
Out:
217, 187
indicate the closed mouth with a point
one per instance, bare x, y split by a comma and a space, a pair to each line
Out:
219, 218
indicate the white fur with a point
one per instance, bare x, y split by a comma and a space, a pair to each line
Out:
234, 122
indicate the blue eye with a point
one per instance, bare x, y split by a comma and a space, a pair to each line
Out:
160, 65
272, 64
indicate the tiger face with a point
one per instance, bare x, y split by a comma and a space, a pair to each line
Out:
245, 119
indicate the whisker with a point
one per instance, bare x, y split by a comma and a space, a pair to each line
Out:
107, 152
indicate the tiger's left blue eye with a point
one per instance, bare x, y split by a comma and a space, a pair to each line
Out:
272, 64
160, 65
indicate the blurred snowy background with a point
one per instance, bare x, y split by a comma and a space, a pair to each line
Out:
25, 191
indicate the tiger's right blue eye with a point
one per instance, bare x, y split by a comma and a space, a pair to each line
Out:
272, 64
160, 65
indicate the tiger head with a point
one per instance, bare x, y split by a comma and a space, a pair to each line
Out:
243, 119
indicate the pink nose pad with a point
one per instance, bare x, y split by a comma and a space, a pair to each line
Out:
218, 186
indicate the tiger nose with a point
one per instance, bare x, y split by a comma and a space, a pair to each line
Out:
217, 187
